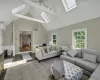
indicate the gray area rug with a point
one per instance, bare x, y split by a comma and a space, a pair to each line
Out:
32, 71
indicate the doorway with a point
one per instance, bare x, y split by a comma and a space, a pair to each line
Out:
25, 41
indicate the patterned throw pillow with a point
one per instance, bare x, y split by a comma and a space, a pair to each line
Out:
45, 49
48, 48
72, 53
64, 53
42, 50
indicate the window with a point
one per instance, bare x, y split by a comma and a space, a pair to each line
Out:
69, 4
79, 38
54, 39
44, 16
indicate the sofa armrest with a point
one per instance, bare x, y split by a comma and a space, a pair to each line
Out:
38, 53
96, 74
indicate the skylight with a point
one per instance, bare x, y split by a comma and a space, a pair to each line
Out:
69, 4
44, 16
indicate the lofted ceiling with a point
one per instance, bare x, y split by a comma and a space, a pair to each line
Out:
85, 10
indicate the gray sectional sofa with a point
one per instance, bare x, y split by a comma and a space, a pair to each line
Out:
91, 69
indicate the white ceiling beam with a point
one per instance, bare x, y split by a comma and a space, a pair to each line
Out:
20, 8
32, 19
39, 6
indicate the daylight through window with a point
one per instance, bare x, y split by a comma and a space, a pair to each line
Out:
79, 38
69, 4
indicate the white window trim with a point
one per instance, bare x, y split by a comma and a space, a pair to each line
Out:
65, 4
52, 37
73, 31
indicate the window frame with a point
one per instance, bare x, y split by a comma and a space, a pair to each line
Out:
67, 8
54, 39
73, 38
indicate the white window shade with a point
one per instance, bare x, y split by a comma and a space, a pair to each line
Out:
69, 4
44, 16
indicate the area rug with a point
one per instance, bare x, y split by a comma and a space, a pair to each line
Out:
12, 64
26, 57
32, 71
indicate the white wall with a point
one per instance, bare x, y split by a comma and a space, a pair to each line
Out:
27, 25
86, 9
64, 35
6, 7
7, 35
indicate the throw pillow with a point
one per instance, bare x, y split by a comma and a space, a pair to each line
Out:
48, 48
45, 49
90, 57
42, 50
72, 53
64, 53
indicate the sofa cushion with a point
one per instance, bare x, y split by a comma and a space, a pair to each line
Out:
72, 53
92, 79
45, 49
68, 58
52, 52
94, 52
48, 48
96, 74
90, 57
42, 51
64, 53
86, 65
79, 53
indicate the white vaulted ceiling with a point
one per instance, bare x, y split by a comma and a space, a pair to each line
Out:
6, 7
85, 10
